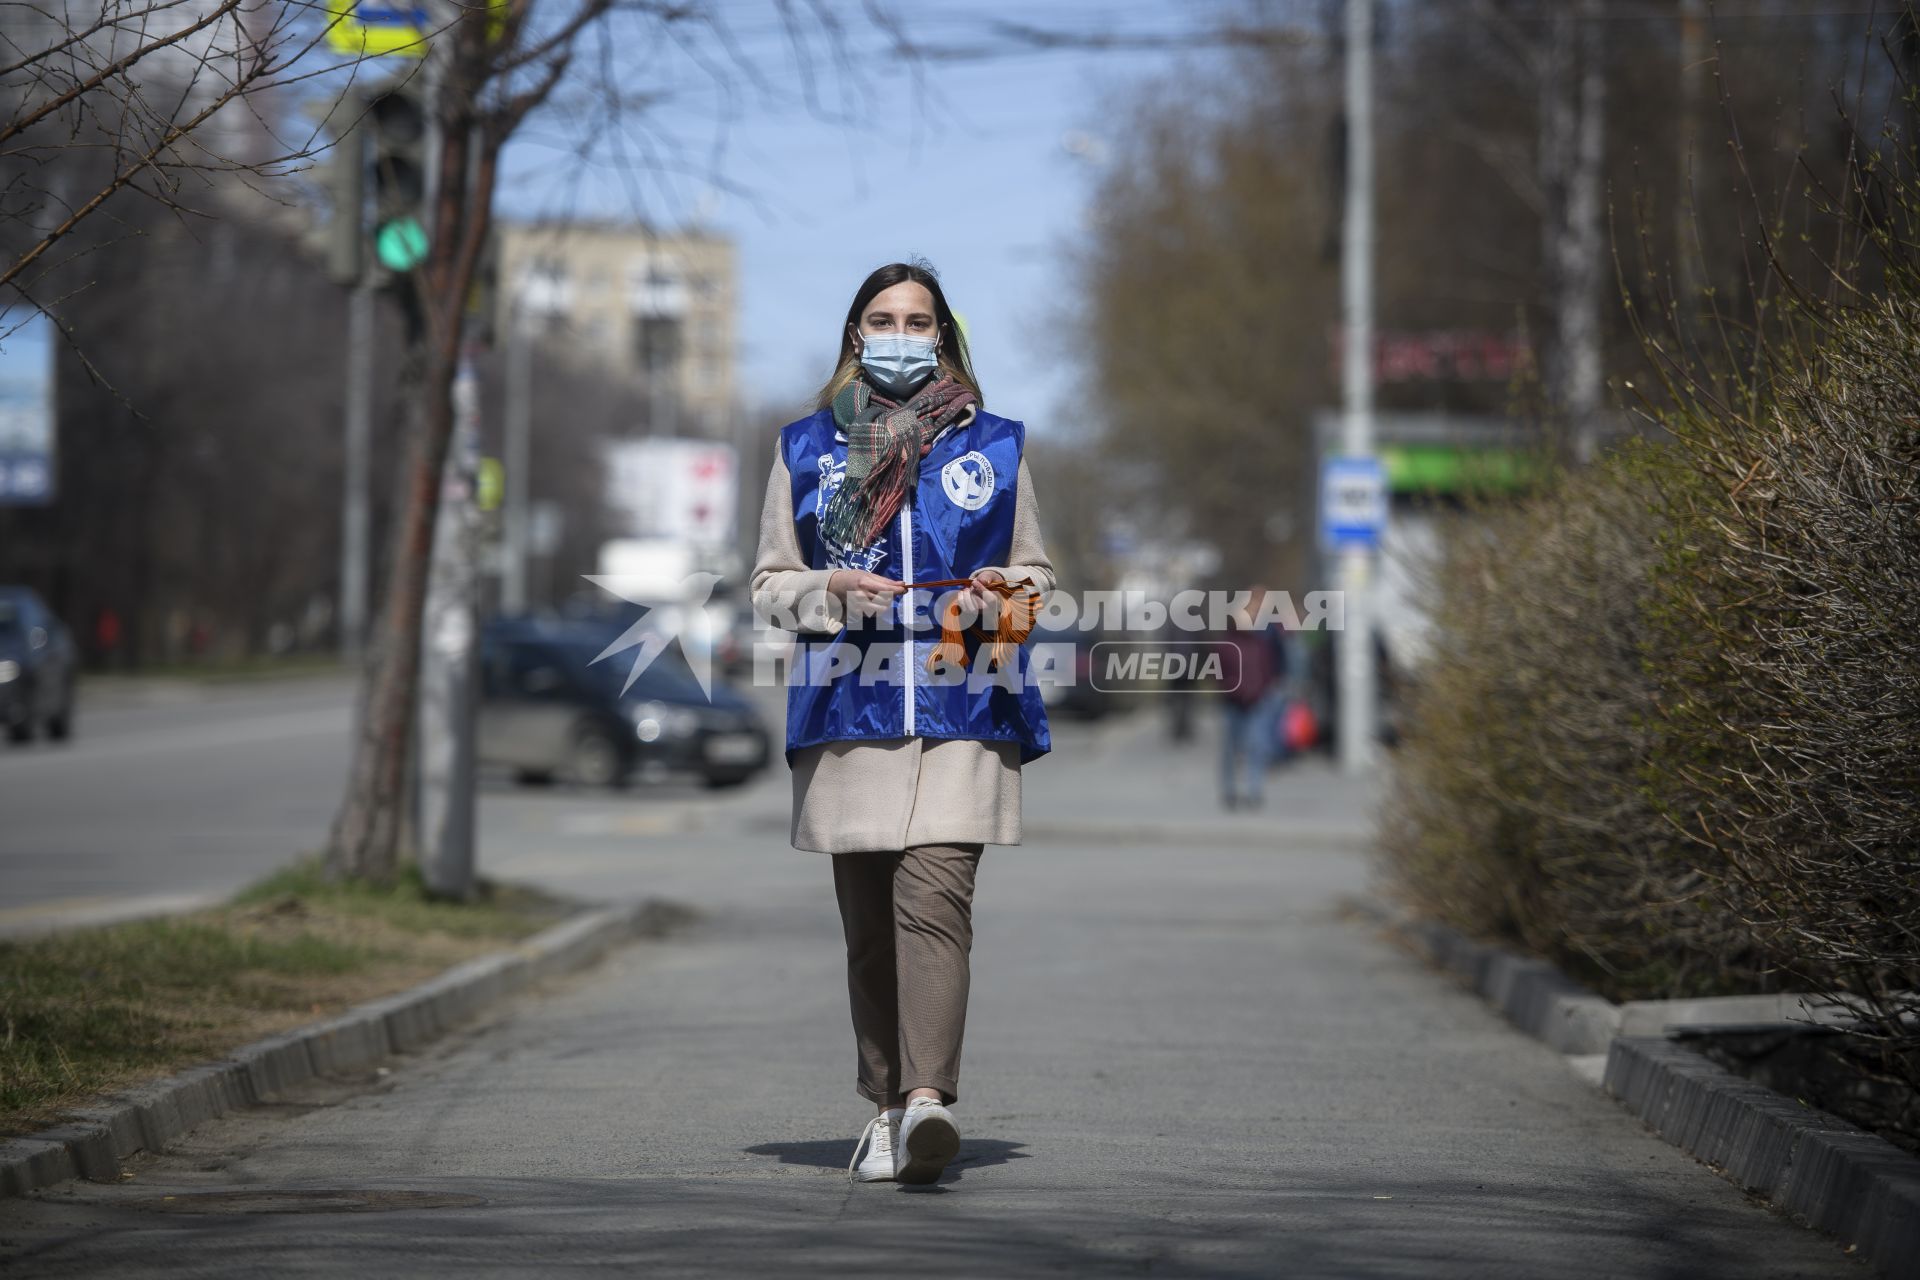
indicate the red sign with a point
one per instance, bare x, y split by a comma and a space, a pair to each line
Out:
1442, 355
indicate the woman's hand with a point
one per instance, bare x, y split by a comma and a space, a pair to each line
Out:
865, 593
976, 592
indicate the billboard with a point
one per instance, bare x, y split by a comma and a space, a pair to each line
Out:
26, 411
686, 491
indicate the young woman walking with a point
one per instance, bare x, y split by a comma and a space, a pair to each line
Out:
901, 771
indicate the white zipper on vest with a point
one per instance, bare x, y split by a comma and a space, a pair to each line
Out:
906, 560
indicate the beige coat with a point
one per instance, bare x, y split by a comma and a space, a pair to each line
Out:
889, 793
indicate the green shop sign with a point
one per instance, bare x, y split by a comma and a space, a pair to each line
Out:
1449, 468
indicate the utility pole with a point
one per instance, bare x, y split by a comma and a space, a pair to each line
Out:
449, 645
1357, 693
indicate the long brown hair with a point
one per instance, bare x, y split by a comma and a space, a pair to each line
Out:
955, 360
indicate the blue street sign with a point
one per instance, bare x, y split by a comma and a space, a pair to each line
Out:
26, 410
1353, 502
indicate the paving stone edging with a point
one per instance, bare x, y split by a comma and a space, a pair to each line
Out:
1826, 1172
147, 1118
1837, 1177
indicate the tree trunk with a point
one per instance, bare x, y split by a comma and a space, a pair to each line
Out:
365, 842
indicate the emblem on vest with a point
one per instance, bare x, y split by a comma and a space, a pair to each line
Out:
832, 472
968, 480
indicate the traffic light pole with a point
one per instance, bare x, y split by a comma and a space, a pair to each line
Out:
391, 139
347, 265
356, 469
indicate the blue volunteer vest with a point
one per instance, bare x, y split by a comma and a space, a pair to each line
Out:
870, 680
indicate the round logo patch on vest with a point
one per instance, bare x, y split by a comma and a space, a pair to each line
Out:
968, 480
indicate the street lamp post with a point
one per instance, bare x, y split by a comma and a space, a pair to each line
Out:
1357, 692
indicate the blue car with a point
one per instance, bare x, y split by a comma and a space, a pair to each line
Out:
38, 664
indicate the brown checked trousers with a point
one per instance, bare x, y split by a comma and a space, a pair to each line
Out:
908, 918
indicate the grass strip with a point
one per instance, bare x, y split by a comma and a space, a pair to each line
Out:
90, 1010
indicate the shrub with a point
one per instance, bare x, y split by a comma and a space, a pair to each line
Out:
1670, 736
1517, 810
1789, 594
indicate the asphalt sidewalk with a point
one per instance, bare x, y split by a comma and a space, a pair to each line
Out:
1181, 1057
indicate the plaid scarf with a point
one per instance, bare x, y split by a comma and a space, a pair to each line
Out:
885, 442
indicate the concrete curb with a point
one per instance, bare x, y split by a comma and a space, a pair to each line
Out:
93, 1142
1532, 994
1830, 1174
1836, 1177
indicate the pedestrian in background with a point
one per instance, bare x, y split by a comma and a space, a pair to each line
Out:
902, 476
1187, 655
1253, 693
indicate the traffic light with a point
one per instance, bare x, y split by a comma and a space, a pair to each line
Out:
397, 119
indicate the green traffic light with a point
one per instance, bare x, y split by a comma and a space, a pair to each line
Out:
401, 245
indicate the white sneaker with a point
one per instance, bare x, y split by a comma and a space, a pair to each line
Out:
884, 1130
929, 1138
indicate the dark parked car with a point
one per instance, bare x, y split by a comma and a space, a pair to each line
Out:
37, 666
548, 710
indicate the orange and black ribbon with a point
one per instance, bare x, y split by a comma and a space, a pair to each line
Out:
1019, 609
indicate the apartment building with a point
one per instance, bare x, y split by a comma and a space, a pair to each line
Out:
659, 309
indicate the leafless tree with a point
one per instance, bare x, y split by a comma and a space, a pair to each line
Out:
169, 100
496, 68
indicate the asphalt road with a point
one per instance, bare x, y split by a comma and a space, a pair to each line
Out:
175, 793
1181, 1059
168, 793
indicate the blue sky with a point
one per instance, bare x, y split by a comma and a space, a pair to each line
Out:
975, 175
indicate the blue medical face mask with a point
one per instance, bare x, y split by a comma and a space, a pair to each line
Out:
897, 363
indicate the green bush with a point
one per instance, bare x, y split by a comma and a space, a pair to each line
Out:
1517, 810
1789, 595
1670, 733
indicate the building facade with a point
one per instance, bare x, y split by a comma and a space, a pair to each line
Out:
657, 309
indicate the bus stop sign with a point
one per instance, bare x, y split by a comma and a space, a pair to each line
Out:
1353, 503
